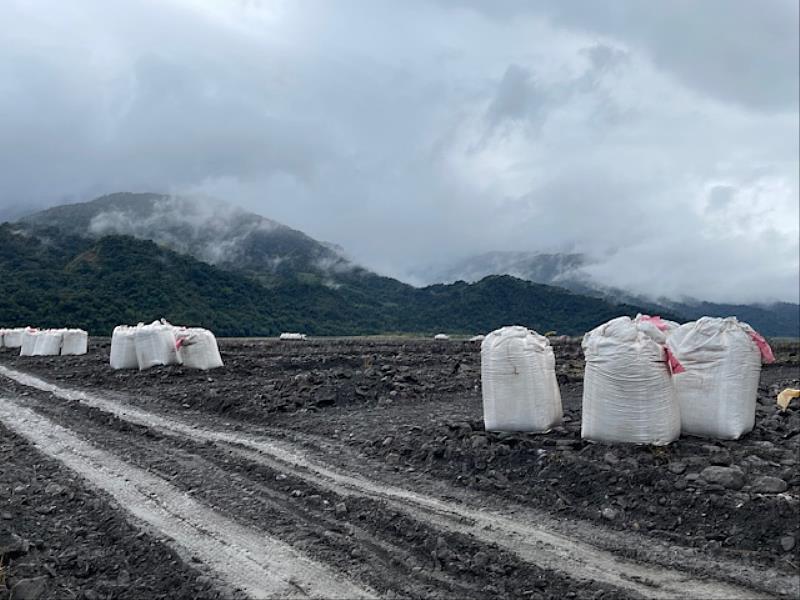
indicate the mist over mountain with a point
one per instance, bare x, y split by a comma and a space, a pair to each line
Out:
554, 269
210, 230
281, 258
573, 271
51, 278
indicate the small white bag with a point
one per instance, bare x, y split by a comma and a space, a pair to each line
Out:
74, 342
13, 337
518, 379
48, 343
156, 345
28, 343
123, 348
198, 348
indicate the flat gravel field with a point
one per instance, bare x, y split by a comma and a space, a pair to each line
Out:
360, 467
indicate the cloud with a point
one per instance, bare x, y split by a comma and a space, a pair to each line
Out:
660, 139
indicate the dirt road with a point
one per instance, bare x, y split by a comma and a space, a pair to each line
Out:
341, 497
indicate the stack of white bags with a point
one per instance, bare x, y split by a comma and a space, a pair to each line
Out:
646, 381
160, 343
45, 342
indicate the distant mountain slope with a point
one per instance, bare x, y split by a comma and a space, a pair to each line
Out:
567, 271
551, 269
211, 231
500, 300
53, 279
779, 319
71, 281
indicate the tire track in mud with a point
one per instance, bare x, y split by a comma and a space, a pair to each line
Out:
387, 557
534, 544
243, 558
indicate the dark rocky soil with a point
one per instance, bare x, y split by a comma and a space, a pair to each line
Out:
60, 539
388, 550
414, 406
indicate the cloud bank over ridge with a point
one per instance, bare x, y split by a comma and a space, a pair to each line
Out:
663, 141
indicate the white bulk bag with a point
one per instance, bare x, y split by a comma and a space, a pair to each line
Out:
28, 344
292, 336
123, 348
74, 342
198, 348
13, 337
518, 379
48, 343
628, 392
441, 337
155, 345
717, 391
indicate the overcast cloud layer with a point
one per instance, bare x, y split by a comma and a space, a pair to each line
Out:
659, 136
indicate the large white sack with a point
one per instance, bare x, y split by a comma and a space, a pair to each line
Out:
156, 345
28, 343
628, 392
74, 342
717, 391
518, 380
198, 348
123, 348
48, 343
13, 337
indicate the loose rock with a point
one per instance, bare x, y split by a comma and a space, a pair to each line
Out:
729, 477
677, 467
769, 485
11, 546
29, 589
609, 514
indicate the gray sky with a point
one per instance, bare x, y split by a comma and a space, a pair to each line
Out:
659, 136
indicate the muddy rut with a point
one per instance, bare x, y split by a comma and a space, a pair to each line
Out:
283, 515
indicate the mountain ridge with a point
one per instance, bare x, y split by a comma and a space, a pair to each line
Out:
567, 270
289, 261
210, 230
55, 279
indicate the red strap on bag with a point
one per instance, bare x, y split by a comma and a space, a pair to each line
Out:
673, 363
657, 321
766, 352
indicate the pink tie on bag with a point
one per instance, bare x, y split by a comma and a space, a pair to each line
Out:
657, 321
766, 352
674, 364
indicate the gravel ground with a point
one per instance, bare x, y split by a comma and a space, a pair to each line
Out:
411, 408
65, 540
